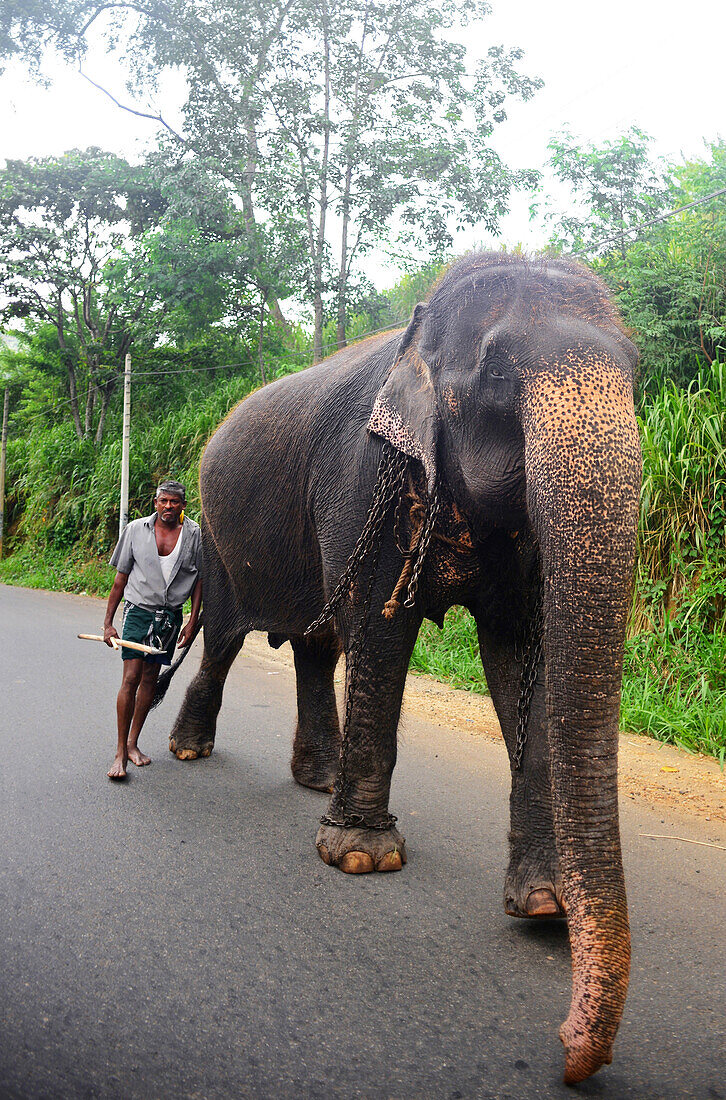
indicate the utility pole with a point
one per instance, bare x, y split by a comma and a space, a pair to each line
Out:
3, 452
124, 512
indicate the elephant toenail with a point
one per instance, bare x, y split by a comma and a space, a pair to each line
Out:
324, 853
542, 903
356, 863
391, 861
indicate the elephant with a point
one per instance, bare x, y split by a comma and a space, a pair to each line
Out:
486, 456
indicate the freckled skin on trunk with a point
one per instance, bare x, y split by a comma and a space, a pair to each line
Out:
583, 476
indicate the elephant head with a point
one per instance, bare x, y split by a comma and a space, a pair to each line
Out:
514, 386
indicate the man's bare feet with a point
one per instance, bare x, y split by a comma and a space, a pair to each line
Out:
118, 768
137, 757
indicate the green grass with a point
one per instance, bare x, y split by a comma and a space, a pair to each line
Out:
674, 687
57, 572
674, 683
451, 654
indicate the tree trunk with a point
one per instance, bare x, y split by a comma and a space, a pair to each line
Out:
343, 272
583, 476
318, 324
67, 358
73, 391
90, 403
105, 399
323, 212
260, 356
279, 316
352, 139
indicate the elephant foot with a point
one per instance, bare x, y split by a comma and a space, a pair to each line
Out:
533, 898
358, 851
188, 750
316, 770
320, 776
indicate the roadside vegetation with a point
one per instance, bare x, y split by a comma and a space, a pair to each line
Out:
191, 259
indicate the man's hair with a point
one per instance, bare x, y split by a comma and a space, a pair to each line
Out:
172, 489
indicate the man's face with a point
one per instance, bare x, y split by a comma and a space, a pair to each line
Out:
168, 508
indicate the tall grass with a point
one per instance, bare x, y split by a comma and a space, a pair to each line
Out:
675, 670
65, 491
682, 531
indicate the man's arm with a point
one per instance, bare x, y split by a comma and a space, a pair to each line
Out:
187, 631
114, 599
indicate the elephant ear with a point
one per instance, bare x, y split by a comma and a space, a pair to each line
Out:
405, 412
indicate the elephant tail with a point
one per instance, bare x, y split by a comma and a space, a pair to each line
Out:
165, 679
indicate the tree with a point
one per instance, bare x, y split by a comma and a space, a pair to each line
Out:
108, 254
668, 277
617, 184
61, 221
336, 118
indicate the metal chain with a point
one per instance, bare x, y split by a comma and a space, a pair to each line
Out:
422, 548
531, 656
398, 517
350, 821
389, 482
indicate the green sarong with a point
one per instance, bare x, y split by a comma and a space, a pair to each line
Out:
159, 629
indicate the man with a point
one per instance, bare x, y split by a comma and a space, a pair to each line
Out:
159, 563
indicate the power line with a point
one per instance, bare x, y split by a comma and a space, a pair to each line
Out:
255, 362
191, 370
653, 221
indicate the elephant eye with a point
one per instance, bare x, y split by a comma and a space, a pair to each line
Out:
495, 372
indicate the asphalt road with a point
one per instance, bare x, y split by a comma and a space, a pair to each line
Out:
178, 936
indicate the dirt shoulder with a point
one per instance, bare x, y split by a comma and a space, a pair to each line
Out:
657, 773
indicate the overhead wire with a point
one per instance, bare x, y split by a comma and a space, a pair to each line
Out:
652, 221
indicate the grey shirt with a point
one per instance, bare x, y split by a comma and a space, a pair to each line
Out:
136, 554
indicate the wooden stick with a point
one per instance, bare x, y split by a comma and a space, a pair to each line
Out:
683, 840
118, 643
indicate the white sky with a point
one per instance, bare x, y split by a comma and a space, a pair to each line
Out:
605, 67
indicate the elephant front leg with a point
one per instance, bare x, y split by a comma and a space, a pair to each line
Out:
316, 748
358, 834
533, 884
196, 724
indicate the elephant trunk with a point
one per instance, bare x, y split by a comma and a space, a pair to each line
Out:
583, 475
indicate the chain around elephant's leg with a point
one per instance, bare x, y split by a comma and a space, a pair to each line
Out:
358, 834
533, 886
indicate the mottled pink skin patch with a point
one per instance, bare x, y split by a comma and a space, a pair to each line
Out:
387, 422
599, 988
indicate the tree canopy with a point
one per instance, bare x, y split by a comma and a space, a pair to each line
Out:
669, 277
336, 124
106, 254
